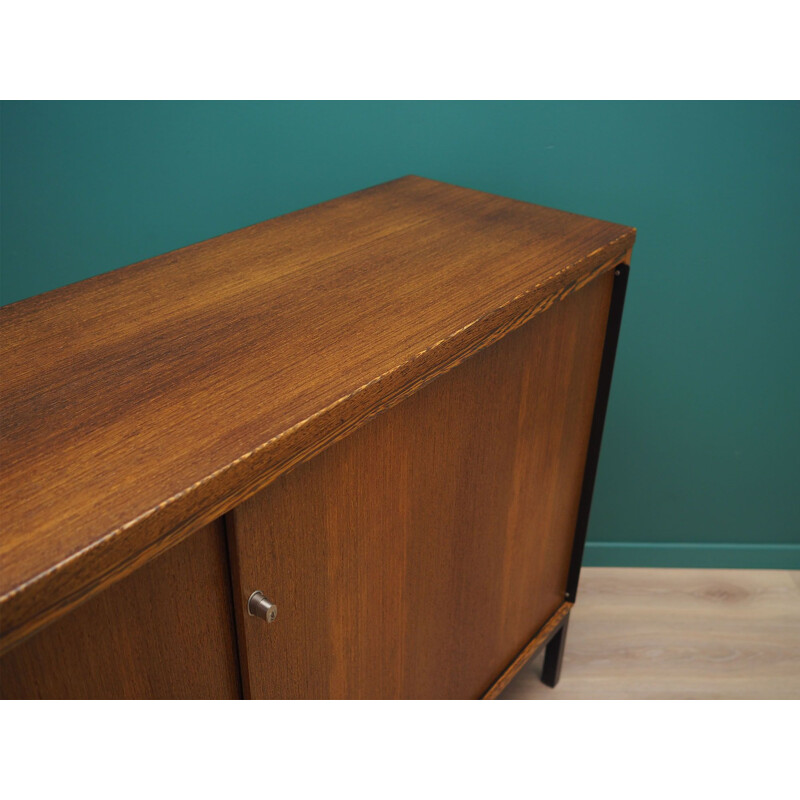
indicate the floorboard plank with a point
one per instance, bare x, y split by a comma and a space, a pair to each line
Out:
677, 634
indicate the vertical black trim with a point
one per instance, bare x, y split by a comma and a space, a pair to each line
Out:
554, 655
238, 635
598, 420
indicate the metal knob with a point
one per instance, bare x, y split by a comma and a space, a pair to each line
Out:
259, 606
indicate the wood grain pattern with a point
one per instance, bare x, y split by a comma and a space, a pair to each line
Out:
677, 634
141, 404
531, 649
165, 632
417, 557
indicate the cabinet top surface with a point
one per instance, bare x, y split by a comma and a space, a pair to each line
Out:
157, 385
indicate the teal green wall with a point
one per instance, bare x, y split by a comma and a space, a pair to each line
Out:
700, 460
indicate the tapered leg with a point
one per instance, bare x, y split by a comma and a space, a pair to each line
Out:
554, 655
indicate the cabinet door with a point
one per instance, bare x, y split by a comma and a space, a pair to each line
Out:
165, 631
417, 557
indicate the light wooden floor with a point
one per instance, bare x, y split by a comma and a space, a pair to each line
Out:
677, 634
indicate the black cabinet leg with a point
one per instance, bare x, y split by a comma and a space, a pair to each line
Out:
554, 655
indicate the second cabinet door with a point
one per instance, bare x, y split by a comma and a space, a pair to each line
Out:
418, 556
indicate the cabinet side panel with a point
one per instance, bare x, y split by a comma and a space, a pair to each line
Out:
417, 557
165, 631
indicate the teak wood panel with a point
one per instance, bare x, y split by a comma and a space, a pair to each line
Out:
143, 403
420, 555
550, 629
165, 631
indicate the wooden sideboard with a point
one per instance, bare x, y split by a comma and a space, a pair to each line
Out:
383, 413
